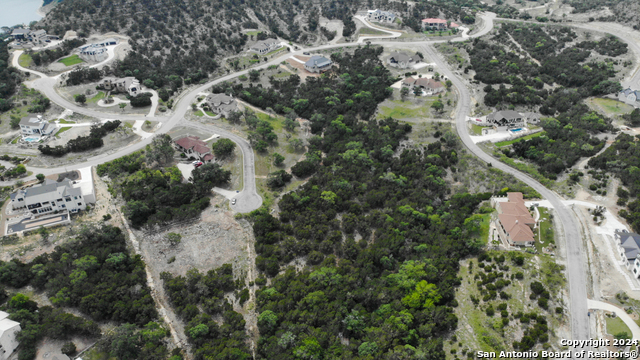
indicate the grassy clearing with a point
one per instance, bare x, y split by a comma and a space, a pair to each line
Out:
544, 235
254, 33
25, 60
210, 113
370, 31
15, 141
199, 113
524, 138
476, 129
66, 128
529, 169
71, 60
63, 121
616, 326
612, 107
405, 109
484, 228
281, 75
129, 124
99, 96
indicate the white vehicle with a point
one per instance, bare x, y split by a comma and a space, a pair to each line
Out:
233, 201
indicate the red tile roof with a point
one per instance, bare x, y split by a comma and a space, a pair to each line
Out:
433, 20
207, 157
515, 218
201, 149
188, 142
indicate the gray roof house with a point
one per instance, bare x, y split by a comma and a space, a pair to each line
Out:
8, 331
505, 118
531, 117
317, 64
381, 16
222, 104
265, 46
631, 97
52, 196
402, 60
20, 33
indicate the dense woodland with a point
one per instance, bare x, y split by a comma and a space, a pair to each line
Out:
9, 79
210, 337
514, 80
82, 143
623, 159
378, 230
186, 40
93, 273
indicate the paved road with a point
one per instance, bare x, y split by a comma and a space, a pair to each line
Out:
575, 269
635, 329
576, 273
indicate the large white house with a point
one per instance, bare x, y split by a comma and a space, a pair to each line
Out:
8, 331
34, 125
317, 64
265, 46
128, 85
52, 196
631, 97
380, 15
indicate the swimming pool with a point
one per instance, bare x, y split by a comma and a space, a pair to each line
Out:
518, 130
31, 139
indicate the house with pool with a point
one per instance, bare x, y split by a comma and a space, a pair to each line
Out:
33, 127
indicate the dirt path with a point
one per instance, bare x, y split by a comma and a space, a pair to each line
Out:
157, 293
523, 50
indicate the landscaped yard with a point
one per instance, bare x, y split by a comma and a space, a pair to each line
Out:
63, 129
370, 31
100, 95
25, 60
616, 326
71, 60
476, 129
545, 234
406, 109
610, 107
528, 137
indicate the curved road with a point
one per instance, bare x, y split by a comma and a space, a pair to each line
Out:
248, 199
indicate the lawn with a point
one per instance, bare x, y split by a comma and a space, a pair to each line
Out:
405, 109
71, 60
528, 137
254, 33
129, 124
63, 129
25, 60
616, 325
370, 31
97, 97
476, 129
612, 107
63, 121
277, 51
484, 227
545, 234
199, 113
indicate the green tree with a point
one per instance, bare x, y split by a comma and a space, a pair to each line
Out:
69, 348
122, 106
290, 125
404, 92
267, 321
254, 75
40, 177
173, 238
198, 331
223, 147
277, 159
417, 91
235, 117
161, 149
81, 99
437, 106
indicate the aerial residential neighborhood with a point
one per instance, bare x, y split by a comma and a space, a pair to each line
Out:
437, 180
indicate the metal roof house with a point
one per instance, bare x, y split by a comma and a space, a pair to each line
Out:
381, 16
402, 60
506, 118
631, 97
318, 64
265, 46
222, 104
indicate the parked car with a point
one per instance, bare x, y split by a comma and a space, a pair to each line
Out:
233, 201
198, 164
306, 53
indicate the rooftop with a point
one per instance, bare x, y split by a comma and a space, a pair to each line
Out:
30, 120
318, 60
434, 21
